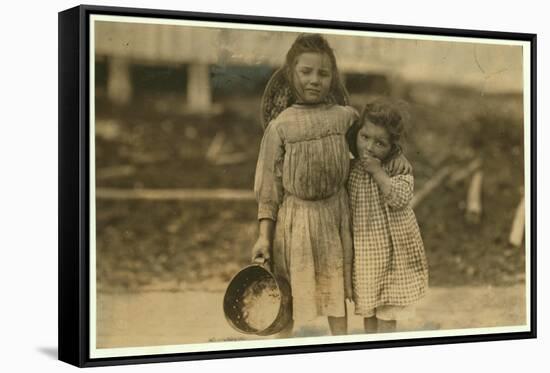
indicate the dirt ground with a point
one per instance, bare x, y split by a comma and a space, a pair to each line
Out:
152, 318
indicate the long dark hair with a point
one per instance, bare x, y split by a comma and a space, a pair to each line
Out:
280, 93
307, 43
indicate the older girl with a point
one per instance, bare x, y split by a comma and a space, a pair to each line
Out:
300, 181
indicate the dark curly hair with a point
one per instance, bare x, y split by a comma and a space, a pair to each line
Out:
391, 115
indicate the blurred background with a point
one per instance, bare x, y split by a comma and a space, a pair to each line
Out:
178, 132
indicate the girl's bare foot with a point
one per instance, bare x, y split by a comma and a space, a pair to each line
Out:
387, 326
338, 325
370, 324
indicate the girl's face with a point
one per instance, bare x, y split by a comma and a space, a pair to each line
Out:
312, 77
374, 141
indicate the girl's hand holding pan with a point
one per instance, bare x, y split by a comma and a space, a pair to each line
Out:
260, 250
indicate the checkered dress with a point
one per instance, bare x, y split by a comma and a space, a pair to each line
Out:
390, 266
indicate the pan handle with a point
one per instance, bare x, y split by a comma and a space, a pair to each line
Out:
264, 262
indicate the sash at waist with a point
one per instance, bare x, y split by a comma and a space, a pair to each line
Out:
335, 196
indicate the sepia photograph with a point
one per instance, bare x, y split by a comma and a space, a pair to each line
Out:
257, 186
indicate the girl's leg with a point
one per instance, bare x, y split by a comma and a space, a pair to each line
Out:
387, 326
287, 331
370, 324
338, 325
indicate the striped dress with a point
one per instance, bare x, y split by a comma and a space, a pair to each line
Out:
390, 267
300, 183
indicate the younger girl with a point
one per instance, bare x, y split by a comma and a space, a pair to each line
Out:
301, 174
390, 269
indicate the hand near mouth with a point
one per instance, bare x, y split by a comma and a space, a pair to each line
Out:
371, 164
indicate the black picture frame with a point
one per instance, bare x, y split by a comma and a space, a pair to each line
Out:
74, 184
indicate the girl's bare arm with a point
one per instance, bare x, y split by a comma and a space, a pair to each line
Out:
262, 247
383, 180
